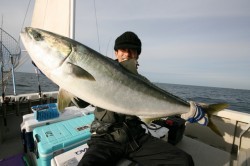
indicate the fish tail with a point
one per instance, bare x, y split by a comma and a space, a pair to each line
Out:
210, 110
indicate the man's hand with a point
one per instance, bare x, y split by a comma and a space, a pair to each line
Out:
196, 114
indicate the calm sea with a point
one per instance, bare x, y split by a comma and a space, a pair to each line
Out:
239, 100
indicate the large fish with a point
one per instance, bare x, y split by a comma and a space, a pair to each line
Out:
99, 80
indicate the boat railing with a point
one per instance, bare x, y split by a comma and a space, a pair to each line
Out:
243, 155
21, 104
243, 133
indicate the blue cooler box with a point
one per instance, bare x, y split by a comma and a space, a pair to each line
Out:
30, 123
57, 138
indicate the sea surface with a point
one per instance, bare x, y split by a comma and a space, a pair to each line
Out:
238, 99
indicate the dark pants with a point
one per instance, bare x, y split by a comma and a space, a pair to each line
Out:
152, 152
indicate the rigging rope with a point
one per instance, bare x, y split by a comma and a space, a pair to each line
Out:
24, 20
97, 27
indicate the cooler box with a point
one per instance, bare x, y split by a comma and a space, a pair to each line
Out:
57, 138
30, 123
176, 126
71, 157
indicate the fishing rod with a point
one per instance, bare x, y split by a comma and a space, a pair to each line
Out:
13, 75
2, 65
38, 80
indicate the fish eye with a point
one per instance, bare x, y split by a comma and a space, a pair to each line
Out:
36, 35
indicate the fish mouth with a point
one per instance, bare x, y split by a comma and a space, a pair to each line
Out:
65, 48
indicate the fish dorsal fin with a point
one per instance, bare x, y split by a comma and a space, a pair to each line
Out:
64, 99
130, 65
79, 72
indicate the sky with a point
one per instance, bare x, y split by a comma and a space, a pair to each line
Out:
194, 42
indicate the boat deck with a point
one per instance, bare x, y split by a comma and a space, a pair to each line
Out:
206, 147
11, 142
203, 154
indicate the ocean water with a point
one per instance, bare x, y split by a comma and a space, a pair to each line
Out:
238, 99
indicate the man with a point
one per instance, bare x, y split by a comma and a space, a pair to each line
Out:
116, 136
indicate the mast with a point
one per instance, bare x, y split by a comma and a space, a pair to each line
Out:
60, 21
72, 19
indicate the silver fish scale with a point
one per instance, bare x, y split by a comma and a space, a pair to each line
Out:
113, 88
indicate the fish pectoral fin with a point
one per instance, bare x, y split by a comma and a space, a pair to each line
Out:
130, 65
79, 72
64, 99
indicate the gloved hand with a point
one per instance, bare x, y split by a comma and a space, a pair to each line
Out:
196, 114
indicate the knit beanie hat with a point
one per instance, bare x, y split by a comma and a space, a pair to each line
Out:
128, 40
